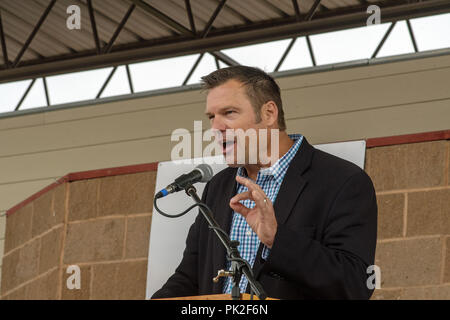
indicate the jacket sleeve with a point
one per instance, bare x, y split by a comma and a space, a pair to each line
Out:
336, 266
184, 282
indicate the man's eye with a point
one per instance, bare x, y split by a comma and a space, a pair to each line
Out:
229, 112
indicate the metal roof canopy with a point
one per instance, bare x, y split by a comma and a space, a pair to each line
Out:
116, 32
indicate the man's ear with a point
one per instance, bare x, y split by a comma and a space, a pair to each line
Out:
269, 113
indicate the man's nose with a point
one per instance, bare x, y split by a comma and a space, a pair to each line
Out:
218, 124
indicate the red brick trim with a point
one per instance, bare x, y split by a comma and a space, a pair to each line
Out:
91, 174
84, 175
408, 138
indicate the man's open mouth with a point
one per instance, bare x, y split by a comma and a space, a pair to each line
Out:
228, 146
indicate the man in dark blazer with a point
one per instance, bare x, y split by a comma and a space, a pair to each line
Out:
316, 238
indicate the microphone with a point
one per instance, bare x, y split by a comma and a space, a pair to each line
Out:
202, 173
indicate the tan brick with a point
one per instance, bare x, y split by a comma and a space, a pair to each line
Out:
59, 201
414, 165
44, 288
96, 240
428, 213
409, 262
428, 293
126, 194
84, 293
44, 214
20, 266
2, 224
19, 294
125, 280
390, 215
137, 238
83, 199
448, 162
18, 227
447, 261
386, 294
9, 280
50, 250
133, 280
2, 247
105, 283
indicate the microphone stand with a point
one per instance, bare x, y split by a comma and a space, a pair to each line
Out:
238, 265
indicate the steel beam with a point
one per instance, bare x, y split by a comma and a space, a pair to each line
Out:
25, 94
312, 11
218, 40
174, 25
3, 43
286, 52
213, 18
105, 84
411, 34
33, 33
190, 15
119, 28
94, 26
383, 40
296, 9
311, 51
47, 96
193, 68
224, 58
130, 80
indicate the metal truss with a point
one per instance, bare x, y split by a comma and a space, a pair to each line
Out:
191, 40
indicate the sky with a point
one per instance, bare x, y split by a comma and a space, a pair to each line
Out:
431, 33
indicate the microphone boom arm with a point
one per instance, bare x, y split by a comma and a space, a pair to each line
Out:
239, 265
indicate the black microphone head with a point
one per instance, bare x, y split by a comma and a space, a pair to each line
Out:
206, 171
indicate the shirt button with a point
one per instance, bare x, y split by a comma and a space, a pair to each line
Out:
249, 232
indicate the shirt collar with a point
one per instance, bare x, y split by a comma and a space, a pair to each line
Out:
279, 168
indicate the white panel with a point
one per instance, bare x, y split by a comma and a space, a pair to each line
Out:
168, 236
353, 151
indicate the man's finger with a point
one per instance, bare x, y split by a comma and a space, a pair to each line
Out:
259, 199
241, 196
240, 208
249, 184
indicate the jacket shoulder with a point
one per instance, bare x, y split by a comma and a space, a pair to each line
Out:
333, 166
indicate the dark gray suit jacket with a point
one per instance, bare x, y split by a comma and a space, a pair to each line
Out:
326, 211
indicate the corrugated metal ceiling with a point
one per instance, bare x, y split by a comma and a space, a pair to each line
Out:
153, 22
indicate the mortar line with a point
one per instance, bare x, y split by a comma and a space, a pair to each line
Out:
405, 215
409, 238
412, 190
63, 243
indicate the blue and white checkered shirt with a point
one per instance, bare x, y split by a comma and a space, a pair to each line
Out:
269, 179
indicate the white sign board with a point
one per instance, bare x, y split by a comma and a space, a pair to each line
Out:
168, 236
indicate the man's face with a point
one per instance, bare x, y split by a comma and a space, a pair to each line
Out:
229, 108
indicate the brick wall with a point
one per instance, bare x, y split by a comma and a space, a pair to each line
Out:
103, 226
413, 193
2, 240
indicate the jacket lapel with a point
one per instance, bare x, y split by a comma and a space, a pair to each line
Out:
290, 190
293, 182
